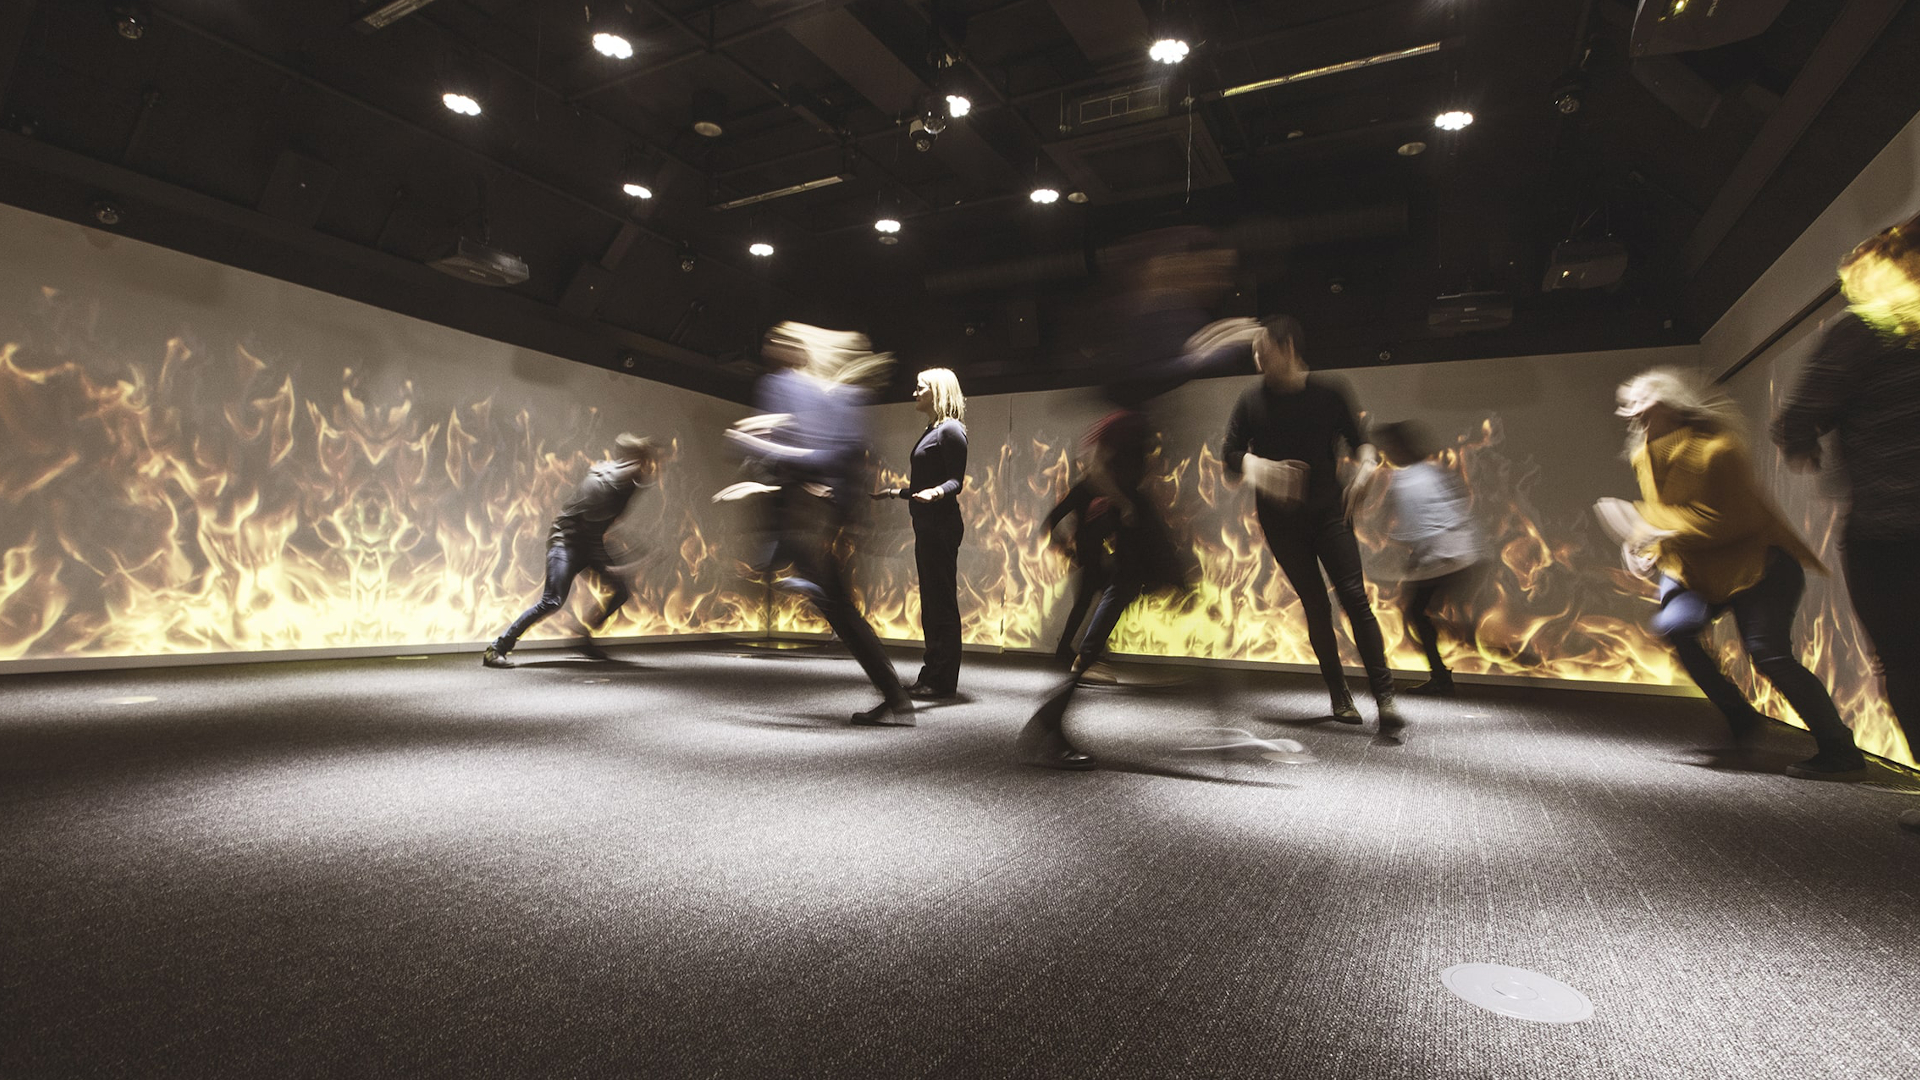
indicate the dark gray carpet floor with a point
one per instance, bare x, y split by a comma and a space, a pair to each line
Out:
690, 865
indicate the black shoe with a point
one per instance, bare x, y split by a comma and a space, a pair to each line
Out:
887, 714
923, 692
493, 658
1344, 712
1393, 726
585, 647
1746, 728
1060, 755
1440, 685
1830, 765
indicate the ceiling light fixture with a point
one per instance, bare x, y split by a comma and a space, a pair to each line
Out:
958, 105
387, 14
1412, 149
1453, 120
638, 191
460, 103
1168, 51
886, 225
709, 110
1331, 69
760, 248
1044, 195
781, 193
613, 46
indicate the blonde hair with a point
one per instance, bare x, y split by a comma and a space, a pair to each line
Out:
1881, 280
1699, 404
841, 357
948, 402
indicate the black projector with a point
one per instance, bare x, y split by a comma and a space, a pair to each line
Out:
1467, 313
1585, 264
473, 261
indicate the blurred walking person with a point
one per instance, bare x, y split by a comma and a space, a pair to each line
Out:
1428, 510
1863, 385
1714, 543
577, 543
936, 473
809, 444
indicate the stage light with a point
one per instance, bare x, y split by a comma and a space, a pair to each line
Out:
613, 45
131, 21
1168, 51
760, 248
1044, 195
460, 103
1453, 120
958, 105
921, 134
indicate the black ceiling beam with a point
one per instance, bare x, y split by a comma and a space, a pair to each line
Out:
1853, 32
438, 136
206, 226
709, 47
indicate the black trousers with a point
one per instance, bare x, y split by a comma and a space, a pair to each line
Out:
1303, 541
936, 554
1418, 611
1883, 579
563, 565
1089, 581
808, 528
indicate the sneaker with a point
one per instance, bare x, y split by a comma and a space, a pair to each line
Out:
1100, 675
1345, 713
1440, 685
495, 658
1829, 765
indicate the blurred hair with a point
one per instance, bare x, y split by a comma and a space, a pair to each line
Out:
1286, 330
1881, 280
1699, 404
841, 357
1407, 439
630, 447
948, 402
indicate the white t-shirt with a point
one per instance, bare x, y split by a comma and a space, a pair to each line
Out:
1430, 517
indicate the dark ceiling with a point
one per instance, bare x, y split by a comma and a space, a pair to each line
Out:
285, 138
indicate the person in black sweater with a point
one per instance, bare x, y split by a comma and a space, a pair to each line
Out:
1284, 436
936, 473
1093, 518
578, 542
1863, 385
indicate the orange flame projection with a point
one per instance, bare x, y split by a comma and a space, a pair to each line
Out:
201, 505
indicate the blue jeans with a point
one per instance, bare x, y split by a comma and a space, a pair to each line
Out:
563, 565
1764, 613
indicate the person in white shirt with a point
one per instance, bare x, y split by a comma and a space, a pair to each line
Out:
1429, 509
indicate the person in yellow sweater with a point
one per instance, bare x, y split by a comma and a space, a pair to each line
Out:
1714, 543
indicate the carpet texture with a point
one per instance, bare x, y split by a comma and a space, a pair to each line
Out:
687, 863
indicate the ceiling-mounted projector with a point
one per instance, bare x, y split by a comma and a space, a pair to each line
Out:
471, 260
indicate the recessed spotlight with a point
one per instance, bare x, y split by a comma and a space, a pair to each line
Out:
886, 225
958, 105
1044, 195
762, 249
1168, 51
1453, 120
613, 45
638, 191
1412, 149
460, 103
1076, 196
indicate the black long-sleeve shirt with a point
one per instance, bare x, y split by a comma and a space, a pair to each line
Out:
1866, 388
939, 461
594, 506
1304, 425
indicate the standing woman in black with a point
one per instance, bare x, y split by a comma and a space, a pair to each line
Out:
934, 478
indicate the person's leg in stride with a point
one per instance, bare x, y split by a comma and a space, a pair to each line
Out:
562, 567
617, 597
1043, 741
1339, 552
936, 553
1293, 551
1883, 579
1418, 612
1682, 621
1765, 615
1089, 581
826, 588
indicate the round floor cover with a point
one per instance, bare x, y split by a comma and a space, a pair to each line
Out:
1512, 991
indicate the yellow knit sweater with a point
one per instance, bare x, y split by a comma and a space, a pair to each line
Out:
1700, 486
